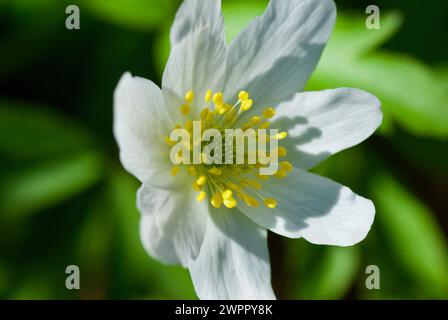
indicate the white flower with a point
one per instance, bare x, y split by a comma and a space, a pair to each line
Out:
224, 245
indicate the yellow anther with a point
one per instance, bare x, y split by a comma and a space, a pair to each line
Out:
224, 108
280, 135
234, 172
201, 196
215, 171
175, 170
251, 202
244, 183
286, 166
270, 203
218, 98
201, 180
230, 203
204, 158
227, 194
264, 125
208, 96
243, 95
262, 177
216, 200
255, 184
169, 142
196, 187
185, 109
189, 97
177, 126
282, 152
189, 125
280, 174
269, 113
204, 113
234, 186
246, 104
210, 116
191, 171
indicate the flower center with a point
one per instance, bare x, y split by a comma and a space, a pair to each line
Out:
228, 181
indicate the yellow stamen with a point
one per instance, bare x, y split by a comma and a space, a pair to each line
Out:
216, 200
191, 171
201, 196
280, 174
204, 113
201, 180
286, 166
251, 202
185, 109
246, 105
215, 171
175, 170
230, 203
270, 203
189, 97
282, 152
196, 187
218, 98
269, 113
255, 184
227, 194
208, 96
264, 125
280, 135
243, 95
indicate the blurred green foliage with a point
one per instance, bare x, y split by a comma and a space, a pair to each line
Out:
65, 199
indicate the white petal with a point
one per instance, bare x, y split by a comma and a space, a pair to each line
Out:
140, 120
198, 51
320, 124
315, 208
173, 224
234, 261
275, 55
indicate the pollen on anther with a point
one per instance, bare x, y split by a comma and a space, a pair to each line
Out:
208, 96
282, 152
189, 97
246, 105
269, 113
243, 95
201, 196
185, 109
175, 170
270, 203
201, 180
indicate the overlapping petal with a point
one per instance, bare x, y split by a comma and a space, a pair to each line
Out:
198, 53
234, 261
315, 208
275, 55
320, 124
140, 120
172, 225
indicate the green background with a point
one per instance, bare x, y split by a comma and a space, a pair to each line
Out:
65, 199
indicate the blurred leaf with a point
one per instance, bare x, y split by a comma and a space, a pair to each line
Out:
158, 280
332, 276
32, 132
413, 235
140, 15
410, 93
31, 24
47, 184
238, 15
94, 249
